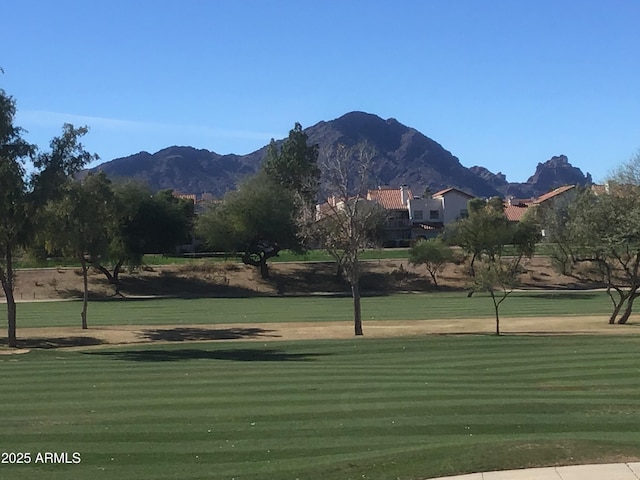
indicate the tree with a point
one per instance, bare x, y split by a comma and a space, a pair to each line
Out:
66, 157
498, 279
352, 221
482, 232
622, 202
142, 222
271, 210
257, 221
604, 230
75, 225
626, 174
63, 206
14, 203
433, 253
294, 166
485, 234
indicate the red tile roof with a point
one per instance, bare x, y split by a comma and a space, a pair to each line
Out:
515, 213
552, 194
389, 198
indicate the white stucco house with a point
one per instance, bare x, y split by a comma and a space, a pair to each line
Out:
412, 217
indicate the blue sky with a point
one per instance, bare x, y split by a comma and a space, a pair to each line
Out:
500, 83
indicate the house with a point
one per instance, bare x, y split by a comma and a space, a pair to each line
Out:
515, 209
395, 201
412, 217
454, 204
565, 192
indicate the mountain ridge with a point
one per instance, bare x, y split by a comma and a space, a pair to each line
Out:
404, 156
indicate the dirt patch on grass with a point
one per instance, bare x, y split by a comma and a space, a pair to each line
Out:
13, 351
76, 338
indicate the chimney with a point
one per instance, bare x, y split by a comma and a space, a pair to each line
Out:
404, 194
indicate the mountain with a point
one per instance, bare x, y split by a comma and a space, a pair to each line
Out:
184, 169
549, 175
403, 156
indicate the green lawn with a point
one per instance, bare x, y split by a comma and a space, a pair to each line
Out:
355, 409
315, 308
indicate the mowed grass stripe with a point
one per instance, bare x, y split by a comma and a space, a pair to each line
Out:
256, 310
396, 408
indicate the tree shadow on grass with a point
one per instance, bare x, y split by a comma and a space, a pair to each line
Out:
190, 334
236, 355
58, 342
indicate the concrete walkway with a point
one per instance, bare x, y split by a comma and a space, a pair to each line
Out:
610, 471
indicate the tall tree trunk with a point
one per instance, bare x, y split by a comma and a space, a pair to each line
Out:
472, 268
627, 311
7, 286
357, 311
496, 307
617, 305
339, 270
11, 319
264, 268
85, 295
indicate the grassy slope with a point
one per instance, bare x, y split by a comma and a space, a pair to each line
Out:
374, 409
317, 308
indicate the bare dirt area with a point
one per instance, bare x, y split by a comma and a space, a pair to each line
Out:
76, 338
210, 279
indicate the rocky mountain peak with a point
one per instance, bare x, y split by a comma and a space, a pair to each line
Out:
403, 156
556, 172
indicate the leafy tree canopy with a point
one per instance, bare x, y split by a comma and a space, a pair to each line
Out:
433, 253
257, 221
294, 165
66, 157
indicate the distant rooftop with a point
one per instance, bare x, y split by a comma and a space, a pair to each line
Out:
552, 194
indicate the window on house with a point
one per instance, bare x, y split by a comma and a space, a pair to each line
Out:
417, 214
434, 214
464, 213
